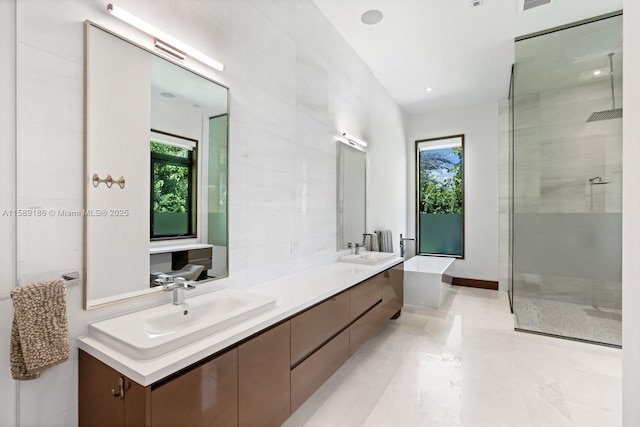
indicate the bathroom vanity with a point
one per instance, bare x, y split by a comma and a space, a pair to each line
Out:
256, 373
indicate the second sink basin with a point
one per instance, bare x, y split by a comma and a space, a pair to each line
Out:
153, 332
367, 257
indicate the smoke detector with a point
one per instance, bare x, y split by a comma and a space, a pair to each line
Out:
531, 4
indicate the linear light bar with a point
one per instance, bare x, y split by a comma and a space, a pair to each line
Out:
169, 50
176, 45
354, 139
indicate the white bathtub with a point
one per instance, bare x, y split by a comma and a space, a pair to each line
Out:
423, 285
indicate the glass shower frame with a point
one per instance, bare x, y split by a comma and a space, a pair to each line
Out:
566, 192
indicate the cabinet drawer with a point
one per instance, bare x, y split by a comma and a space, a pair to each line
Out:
392, 291
364, 296
264, 378
364, 328
207, 392
309, 375
312, 328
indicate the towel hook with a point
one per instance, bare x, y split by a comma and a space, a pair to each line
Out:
109, 181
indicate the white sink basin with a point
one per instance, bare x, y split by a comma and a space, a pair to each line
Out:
367, 257
153, 332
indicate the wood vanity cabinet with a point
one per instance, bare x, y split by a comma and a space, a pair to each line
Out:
364, 296
365, 327
264, 368
319, 345
256, 383
106, 397
312, 328
392, 292
309, 375
203, 396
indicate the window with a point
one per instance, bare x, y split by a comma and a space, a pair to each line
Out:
440, 204
173, 189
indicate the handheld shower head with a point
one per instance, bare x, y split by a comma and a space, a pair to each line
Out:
597, 180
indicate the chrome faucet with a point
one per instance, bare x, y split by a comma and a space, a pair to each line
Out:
179, 286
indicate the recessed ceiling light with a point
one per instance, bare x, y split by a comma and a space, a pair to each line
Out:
429, 89
597, 72
167, 95
371, 17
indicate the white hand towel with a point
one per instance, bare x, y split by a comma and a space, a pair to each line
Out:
374, 242
389, 241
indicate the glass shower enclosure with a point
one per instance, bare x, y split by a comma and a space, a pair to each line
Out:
566, 202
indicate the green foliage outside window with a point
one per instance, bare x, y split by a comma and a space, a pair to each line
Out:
440, 181
173, 197
170, 181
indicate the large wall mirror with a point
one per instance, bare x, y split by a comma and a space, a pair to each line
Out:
156, 171
440, 196
352, 194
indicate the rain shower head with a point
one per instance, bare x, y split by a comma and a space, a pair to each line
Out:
614, 113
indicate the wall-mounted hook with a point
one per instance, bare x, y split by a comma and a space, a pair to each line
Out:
109, 181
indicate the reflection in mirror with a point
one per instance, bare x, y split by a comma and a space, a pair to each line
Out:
440, 218
352, 194
164, 128
173, 186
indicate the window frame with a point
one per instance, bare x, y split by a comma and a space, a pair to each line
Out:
417, 196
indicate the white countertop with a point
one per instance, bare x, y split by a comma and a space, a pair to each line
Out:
293, 294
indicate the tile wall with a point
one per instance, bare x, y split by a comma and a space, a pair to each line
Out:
294, 83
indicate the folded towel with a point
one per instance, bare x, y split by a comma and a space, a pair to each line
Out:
381, 240
388, 241
385, 241
39, 331
367, 242
374, 242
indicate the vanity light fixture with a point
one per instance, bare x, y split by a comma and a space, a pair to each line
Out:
169, 50
354, 139
169, 44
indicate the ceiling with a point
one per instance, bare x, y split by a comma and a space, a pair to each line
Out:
463, 52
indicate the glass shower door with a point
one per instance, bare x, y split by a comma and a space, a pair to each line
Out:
567, 182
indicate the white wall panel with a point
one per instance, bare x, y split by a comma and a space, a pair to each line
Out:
479, 124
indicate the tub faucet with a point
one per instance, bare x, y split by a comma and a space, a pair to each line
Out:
179, 286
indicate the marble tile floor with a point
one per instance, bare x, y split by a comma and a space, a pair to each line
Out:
569, 319
464, 365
